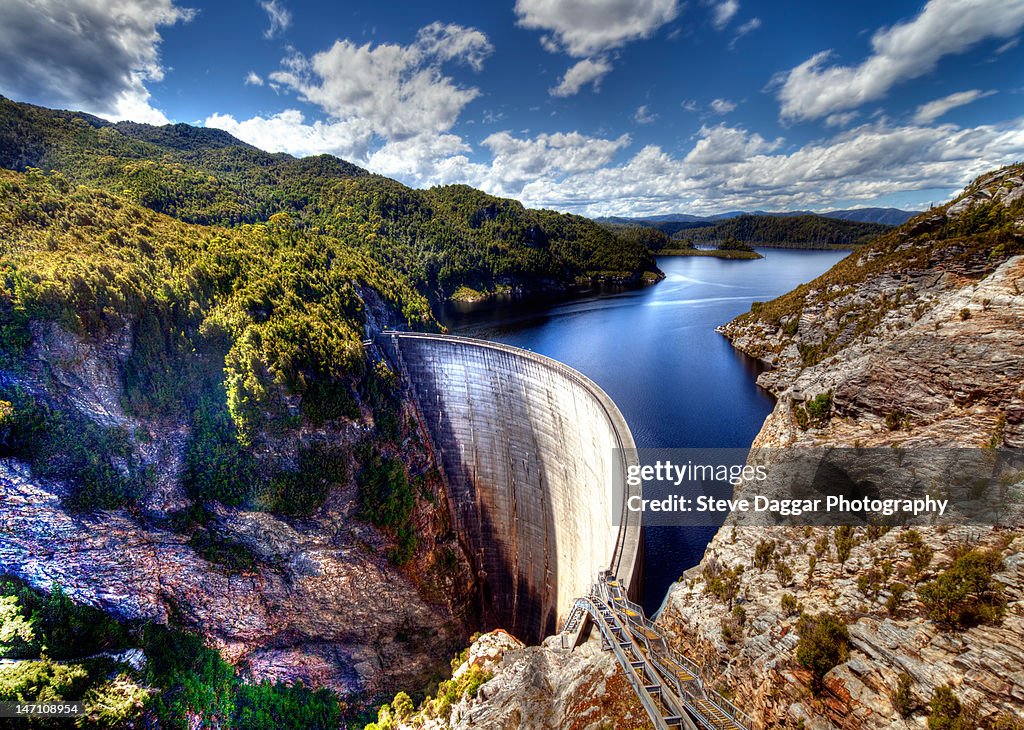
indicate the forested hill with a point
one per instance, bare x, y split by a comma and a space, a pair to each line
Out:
804, 231
442, 238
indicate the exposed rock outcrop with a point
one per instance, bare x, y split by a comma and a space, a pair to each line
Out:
541, 688
918, 340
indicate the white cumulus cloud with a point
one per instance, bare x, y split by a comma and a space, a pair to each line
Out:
400, 91
901, 52
928, 113
587, 71
88, 55
516, 161
253, 79
730, 168
587, 27
289, 132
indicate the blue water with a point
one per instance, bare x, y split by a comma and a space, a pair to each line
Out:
656, 353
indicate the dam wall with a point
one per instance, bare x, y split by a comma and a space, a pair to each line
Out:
528, 447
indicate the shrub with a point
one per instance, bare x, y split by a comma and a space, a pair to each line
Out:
301, 493
42, 681
821, 546
814, 413
67, 629
269, 706
196, 680
723, 583
115, 702
325, 400
783, 572
869, 582
764, 554
902, 698
895, 599
789, 604
945, 710
819, 408
897, 419
844, 543
387, 499
16, 633
965, 594
217, 466
823, 644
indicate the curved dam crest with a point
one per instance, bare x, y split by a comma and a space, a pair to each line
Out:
528, 447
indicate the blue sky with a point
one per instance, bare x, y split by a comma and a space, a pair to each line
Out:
625, 107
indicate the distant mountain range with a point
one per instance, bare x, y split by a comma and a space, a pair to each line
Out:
885, 216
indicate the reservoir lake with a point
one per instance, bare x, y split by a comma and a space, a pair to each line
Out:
655, 351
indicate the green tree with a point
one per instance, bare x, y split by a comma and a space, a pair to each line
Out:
16, 631
844, 543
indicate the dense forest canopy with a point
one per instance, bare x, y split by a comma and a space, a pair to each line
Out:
442, 238
803, 231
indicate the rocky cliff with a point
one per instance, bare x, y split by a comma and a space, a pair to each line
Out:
915, 340
315, 599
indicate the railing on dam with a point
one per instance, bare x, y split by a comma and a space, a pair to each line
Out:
670, 686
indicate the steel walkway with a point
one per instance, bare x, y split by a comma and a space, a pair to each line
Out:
669, 686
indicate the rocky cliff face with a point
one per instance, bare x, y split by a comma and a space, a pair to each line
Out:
319, 602
916, 340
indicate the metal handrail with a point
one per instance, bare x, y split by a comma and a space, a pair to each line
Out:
606, 602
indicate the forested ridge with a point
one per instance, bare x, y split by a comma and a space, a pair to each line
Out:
442, 238
803, 231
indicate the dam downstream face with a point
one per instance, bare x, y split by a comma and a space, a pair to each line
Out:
528, 447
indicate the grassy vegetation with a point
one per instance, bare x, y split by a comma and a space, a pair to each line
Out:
966, 594
387, 499
814, 413
441, 238
823, 644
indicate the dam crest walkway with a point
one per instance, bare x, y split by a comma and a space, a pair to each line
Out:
670, 686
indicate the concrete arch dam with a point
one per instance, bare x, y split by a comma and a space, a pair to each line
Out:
528, 447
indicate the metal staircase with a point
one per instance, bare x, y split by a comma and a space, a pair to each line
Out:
669, 685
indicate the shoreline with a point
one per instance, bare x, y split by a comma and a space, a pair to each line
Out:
714, 253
